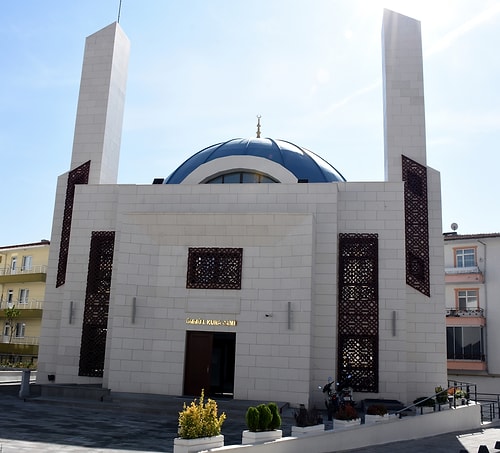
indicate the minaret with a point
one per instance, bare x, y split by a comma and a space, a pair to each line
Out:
101, 102
404, 115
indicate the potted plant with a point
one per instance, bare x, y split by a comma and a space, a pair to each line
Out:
307, 421
441, 396
262, 422
346, 417
461, 395
199, 427
425, 402
376, 413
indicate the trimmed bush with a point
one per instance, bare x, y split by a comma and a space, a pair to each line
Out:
265, 417
276, 420
252, 419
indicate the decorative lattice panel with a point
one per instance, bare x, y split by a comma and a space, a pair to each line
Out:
79, 175
214, 268
416, 226
358, 311
95, 316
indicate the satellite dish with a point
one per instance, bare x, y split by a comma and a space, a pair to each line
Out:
454, 226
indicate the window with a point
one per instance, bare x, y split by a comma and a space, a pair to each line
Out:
214, 268
20, 329
10, 296
241, 177
465, 257
467, 299
13, 264
26, 263
465, 343
23, 295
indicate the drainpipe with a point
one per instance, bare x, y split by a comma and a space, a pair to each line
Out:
485, 294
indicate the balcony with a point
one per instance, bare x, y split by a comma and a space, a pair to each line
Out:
32, 309
36, 273
465, 312
471, 274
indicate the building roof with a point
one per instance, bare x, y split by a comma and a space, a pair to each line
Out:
30, 244
305, 165
456, 237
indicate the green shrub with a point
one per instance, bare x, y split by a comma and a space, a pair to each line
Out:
276, 420
265, 417
424, 401
252, 419
200, 419
441, 395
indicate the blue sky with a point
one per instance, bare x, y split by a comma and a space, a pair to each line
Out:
201, 71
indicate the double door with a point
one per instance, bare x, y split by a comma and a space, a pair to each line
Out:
209, 363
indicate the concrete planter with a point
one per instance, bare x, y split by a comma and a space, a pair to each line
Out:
199, 444
370, 419
303, 430
343, 424
259, 437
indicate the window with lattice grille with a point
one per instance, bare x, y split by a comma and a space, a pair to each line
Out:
95, 315
214, 268
357, 354
416, 225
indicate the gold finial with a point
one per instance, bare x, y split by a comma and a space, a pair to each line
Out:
258, 126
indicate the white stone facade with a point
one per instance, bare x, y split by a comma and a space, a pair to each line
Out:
284, 317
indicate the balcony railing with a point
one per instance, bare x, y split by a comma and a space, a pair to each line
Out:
34, 269
462, 270
465, 312
28, 305
24, 340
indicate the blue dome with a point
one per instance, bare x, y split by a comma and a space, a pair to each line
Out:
304, 164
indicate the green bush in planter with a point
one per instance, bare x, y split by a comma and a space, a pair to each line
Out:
252, 419
423, 401
276, 420
265, 417
441, 395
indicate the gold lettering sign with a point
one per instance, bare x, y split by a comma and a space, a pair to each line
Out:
211, 322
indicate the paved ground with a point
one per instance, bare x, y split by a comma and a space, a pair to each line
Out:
34, 425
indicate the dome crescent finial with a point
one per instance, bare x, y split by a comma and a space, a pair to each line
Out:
258, 126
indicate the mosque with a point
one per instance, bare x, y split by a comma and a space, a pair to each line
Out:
254, 270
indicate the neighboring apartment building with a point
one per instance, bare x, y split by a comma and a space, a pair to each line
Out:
472, 269
23, 271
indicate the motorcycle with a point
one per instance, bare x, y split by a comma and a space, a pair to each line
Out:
337, 395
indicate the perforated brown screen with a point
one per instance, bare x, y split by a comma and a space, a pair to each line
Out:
358, 311
416, 226
214, 268
95, 316
79, 175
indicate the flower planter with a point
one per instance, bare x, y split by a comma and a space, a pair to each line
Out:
303, 430
259, 437
343, 424
370, 419
199, 444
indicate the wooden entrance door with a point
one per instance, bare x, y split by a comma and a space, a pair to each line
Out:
197, 363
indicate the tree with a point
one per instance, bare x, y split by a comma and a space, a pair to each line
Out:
12, 313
